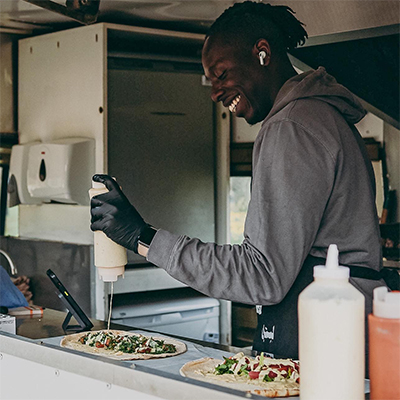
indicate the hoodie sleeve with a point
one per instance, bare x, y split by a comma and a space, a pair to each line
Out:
293, 174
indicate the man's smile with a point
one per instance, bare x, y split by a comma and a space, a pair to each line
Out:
234, 103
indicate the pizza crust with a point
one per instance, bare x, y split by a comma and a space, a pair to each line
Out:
72, 342
200, 370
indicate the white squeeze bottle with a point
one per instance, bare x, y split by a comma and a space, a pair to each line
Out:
331, 334
109, 257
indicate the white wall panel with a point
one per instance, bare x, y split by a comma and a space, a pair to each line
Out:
62, 93
62, 87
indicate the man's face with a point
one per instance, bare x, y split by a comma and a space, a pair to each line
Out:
238, 80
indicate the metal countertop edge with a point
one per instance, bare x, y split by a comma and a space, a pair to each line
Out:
132, 366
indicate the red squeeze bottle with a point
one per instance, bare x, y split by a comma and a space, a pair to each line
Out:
384, 345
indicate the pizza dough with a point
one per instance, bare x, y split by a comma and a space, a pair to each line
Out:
202, 370
73, 342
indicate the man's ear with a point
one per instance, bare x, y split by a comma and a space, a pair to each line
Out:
262, 51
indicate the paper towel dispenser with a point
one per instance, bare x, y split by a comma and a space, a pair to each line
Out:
56, 171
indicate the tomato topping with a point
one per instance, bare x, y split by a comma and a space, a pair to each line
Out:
272, 374
247, 360
99, 345
298, 380
146, 350
273, 366
254, 374
255, 365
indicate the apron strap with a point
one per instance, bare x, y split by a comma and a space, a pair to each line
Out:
365, 273
390, 275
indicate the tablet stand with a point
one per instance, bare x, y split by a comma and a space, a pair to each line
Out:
72, 306
83, 326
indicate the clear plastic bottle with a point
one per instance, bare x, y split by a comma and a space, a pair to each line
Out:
331, 334
109, 257
384, 345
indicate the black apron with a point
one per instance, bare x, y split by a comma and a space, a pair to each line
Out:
277, 327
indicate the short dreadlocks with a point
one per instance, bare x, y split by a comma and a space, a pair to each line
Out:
249, 21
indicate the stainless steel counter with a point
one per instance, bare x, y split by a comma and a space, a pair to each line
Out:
35, 354
34, 366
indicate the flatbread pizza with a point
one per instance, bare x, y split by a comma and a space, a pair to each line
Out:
122, 345
261, 375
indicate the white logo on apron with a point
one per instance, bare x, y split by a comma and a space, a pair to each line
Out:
265, 334
259, 310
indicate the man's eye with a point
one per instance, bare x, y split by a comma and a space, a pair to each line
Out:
222, 76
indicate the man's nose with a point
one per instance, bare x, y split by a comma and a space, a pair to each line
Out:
216, 93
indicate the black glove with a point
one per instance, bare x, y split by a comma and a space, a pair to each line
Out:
113, 214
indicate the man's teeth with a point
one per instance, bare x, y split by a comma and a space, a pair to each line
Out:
232, 106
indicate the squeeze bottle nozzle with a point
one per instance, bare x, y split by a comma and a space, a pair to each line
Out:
332, 269
332, 258
386, 304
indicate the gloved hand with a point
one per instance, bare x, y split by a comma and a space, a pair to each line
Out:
113, 214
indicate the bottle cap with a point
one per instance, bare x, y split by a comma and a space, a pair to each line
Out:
332, 269
386, 304
110, 274
98, 185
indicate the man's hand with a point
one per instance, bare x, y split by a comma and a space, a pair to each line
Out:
113, 214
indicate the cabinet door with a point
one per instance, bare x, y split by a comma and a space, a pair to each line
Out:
161, 148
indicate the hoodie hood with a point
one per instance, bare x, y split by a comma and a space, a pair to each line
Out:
320, 85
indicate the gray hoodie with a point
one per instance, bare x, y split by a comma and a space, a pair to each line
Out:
312, 186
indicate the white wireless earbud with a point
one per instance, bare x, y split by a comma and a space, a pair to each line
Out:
261, 55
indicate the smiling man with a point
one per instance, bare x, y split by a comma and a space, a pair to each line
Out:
312, 182
234, 49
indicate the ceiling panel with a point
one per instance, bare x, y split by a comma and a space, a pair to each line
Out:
320, 16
